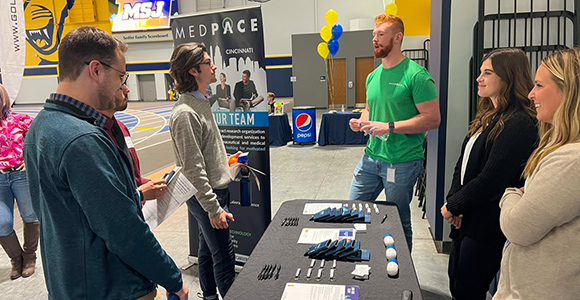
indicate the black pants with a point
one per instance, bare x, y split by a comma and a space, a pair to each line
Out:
472, 266
216, 257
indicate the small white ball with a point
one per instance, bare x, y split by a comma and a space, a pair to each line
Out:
393, 267
388, 240
391, 252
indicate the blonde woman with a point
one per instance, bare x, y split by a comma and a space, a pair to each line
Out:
542, 219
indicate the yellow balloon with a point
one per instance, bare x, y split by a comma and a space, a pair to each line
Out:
326, 33
331, 17
391, 9
323, 50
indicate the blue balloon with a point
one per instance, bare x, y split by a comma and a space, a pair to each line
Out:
336, 31
333, 46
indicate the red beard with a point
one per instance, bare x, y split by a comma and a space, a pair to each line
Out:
383, 51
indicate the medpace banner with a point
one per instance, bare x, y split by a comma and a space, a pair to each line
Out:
235, 42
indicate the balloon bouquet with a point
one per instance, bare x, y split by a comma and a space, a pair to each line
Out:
330, 34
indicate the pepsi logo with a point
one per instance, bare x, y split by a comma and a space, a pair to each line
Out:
303, 122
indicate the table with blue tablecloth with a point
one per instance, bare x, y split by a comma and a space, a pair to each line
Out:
334, 130
280, 130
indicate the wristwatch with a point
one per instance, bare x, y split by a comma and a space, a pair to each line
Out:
391, 127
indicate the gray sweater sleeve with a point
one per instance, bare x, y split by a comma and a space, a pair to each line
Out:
549, 200
187, 132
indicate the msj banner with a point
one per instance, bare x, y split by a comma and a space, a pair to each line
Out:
235, 42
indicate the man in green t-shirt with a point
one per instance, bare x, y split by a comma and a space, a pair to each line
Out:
402, 104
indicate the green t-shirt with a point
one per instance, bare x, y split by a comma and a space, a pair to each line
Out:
391, 96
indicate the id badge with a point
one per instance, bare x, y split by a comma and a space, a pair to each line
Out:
391, 175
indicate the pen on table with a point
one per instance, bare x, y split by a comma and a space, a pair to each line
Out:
384, 218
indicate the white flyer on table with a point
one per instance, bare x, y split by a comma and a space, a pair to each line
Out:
312, 208
306, 291
317, 235
178, 191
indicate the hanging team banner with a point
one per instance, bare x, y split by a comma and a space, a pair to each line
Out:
12, 46
235, 42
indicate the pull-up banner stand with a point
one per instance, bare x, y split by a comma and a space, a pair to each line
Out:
235, 42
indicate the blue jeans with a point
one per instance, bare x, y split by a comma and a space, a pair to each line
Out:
370, 178
14, 185
216, 258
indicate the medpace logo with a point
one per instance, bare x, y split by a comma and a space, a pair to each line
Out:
143, 10
303, 122
227, 26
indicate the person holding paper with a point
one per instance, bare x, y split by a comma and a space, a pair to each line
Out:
200, 151
94, 240
120, 135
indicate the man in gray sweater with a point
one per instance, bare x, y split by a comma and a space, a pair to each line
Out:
200, 151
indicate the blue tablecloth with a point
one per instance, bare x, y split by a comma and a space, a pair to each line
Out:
334, 130
280, 130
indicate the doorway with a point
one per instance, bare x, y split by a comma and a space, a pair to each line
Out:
146, 87
364, 66
338, 70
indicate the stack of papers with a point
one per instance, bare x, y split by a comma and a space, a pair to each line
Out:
361, 272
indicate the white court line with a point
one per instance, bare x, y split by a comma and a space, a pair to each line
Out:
152, 145
152, 135
148, 118
138, 119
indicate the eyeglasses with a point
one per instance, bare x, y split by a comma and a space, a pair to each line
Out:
124, 75
207, 62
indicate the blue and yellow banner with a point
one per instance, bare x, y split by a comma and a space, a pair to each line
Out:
47, 21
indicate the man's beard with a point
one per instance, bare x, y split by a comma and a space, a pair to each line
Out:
106, 99
384, 51
121, 106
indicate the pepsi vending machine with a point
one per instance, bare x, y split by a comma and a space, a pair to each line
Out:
304, 124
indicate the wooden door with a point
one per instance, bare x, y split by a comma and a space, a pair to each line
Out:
364, 66
337, 70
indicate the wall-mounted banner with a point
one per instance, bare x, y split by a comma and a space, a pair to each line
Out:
45, 26
235, 42
12, 46
135, 15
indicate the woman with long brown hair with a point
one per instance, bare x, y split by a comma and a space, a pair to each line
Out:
542, 219
500, 139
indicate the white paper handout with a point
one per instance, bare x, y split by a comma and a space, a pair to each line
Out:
317, 235
305, 291
178, 191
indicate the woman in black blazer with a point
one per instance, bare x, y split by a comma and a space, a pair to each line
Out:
500, 139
